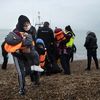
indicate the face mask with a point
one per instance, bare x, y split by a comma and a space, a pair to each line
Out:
27, 28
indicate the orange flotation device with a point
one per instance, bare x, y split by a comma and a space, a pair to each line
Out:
11, 49
59, 36
42, 60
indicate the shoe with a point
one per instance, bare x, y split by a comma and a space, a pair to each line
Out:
37, 83
97, 68
3, 68
66, 73
87, 69
22, 92
36, 68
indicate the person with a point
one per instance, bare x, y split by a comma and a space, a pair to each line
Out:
31, 31
5, 57
40, 47
46, 34
26, 58
64, 45
69, 29
91, 47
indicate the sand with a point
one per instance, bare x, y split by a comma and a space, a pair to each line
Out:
80, 85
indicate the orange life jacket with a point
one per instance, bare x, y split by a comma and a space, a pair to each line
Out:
42, 59
59, 36
11, 49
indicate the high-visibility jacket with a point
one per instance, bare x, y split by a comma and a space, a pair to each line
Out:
42, 59
71, 41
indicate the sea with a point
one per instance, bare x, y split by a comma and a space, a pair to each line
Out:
79, 42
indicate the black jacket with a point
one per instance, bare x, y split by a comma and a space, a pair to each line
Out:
32, 31
91, 41
47, 35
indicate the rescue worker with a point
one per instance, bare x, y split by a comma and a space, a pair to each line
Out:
46, 34
64, 43
91, 47
26, 58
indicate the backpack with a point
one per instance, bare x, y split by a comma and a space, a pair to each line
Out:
13, 39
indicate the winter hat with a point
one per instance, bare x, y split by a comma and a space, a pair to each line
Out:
40, 41
58, 34
46, 24
68, 28
57, 30
22, 19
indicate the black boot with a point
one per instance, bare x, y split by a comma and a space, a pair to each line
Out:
87, 69
22, 91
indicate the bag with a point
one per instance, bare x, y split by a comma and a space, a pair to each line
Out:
13, 39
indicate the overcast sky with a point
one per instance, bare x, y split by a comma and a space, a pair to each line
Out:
80, 14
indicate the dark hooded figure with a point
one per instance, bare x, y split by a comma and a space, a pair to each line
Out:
91, 47
24, 25
26, 60
22, 20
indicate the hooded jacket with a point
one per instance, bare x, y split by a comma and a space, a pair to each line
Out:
47, 35
91, 41
19, 27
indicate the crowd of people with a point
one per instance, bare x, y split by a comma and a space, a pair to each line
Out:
36, 53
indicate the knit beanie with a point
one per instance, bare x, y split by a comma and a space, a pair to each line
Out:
57, 30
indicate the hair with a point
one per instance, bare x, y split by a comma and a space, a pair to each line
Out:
46, 24
68, 28
22, 20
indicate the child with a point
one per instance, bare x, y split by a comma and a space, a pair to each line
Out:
40, 47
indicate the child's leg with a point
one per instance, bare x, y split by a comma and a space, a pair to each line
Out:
37, 78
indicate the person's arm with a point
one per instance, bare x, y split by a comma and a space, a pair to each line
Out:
87, 41
52, 37
33, 32
75, 49
67, 38
38, 33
